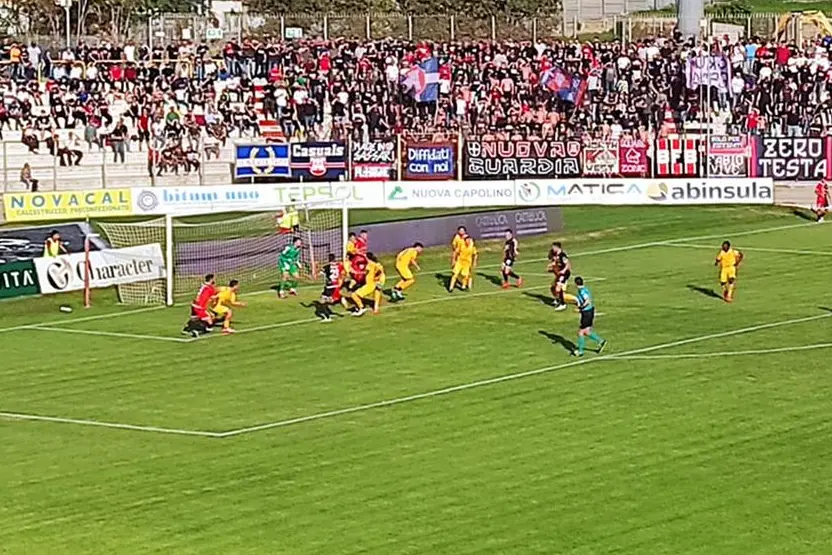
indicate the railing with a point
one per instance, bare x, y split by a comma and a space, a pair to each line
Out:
98, 168
623, 19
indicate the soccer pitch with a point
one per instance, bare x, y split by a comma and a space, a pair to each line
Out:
451, 423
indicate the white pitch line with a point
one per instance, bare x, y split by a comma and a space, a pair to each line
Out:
99, 424
724, 353
111, 334
399, 400
510, 377
715, 248
456, 296
623, 248
84, 319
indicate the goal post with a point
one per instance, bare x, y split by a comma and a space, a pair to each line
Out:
241, 246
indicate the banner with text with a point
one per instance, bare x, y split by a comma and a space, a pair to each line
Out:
600, 157
373, 161
66, 205
18, 278
262, 160
632, 158
181, 201
727, 156
792, 158
562, 192
449, 194
322, 161
429, 161
503, 159
107, 268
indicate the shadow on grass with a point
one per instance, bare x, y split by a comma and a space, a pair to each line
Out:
803, 214
556, 339
322, 310
705, 291
545, 299
491, 278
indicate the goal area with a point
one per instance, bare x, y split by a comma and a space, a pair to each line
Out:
241, 246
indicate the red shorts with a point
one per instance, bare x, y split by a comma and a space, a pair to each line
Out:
199, 312
821, 203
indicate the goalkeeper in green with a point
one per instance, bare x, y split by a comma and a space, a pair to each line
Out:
288, 262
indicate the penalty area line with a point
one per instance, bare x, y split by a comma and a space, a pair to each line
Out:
112, 425
511, 377
720, 354
112, 334
400, 400
84, 319
456, 296
715, 248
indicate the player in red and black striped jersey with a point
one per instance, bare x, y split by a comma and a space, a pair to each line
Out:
200, 320
561, 266
334, 275
511, 250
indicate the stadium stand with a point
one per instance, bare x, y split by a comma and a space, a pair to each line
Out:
107, 113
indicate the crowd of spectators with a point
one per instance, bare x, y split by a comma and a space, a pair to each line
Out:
183, 101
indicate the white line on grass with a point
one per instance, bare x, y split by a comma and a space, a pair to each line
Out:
623, 248
401, 400
99, 424
510, 377
84, 319
111, 334
456, 296
721, 354
715, 248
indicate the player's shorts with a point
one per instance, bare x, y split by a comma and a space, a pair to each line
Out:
821, 204
289, 268
201, 313
508, 263
563, 279
405, 272
463, 270
366, 291
332, 292
727, 274
221, 310
587, 318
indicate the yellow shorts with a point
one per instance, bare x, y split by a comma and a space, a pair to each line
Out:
727, 274
221, 310
366, 291
462, 269
405, 272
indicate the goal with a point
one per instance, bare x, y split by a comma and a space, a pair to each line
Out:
230, 246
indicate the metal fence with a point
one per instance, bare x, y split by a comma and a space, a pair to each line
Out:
603, 19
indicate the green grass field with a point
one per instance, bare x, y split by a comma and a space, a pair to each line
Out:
453, 424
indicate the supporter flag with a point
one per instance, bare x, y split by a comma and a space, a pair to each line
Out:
423, 81
569, 88
556, 80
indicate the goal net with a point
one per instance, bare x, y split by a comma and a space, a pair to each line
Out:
230, 246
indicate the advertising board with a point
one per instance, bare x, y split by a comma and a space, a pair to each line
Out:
107, 267
65, 205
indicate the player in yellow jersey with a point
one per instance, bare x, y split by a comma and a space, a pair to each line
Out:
466, 261
728, 260
404, 260
226, 299
371, 288
457, 243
